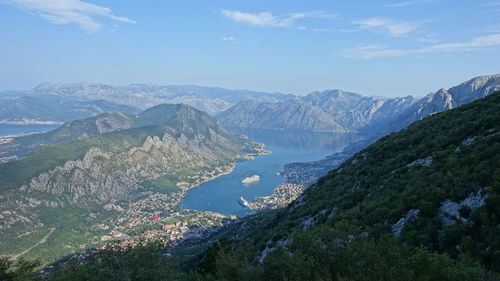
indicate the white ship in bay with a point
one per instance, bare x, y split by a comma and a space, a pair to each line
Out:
250, 180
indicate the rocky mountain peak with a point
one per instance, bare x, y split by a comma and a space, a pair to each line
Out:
474, 88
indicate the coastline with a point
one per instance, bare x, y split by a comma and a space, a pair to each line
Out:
226, 169
174, 201
30, 122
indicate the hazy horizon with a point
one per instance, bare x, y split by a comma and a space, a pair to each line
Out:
389, 48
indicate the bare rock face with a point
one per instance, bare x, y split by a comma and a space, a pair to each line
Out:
397, 228
340, 111
84, 180
443, 100
102, 176
475, 88
449, 211
327, 111
356, 112
291, 115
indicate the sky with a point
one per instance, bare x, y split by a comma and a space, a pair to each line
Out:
388, 48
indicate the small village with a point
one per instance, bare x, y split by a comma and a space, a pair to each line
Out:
157, 217
169, 230
283, 195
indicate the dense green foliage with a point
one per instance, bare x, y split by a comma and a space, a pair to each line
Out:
317, 255
362, 199
20, 270
320, 255
145, 263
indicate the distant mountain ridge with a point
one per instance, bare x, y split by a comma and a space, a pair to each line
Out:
354, 112
209, 99
295, 114
32, 107
327, 111
442, 100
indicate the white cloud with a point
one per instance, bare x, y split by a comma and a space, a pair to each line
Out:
374, 51
348, 30
68, 11
268, 19
228, 38
407, 3
489, 4
429, 38
394, 28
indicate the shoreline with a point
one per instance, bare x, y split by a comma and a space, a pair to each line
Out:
228, 169
177, 199
30, 122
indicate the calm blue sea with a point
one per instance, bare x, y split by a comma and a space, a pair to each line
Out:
222, 194
19, 130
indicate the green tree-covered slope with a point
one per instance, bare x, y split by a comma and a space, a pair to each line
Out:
421, 204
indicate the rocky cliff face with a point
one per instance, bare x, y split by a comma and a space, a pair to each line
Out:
356, 112
442, 100
295, 114
328, 111
475, 88
103, 176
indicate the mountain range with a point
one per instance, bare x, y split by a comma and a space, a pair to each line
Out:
442, 100
133, 162
209, 99
326, 111
294, 114
308, 172
339, 111
28, 108
59, 103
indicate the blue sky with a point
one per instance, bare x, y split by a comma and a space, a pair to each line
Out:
390, 47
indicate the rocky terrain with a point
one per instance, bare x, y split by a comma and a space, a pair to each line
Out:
143, 162
356, 112
339, 111
327, 111
442, 100
294, 114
